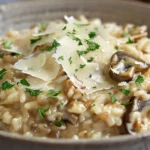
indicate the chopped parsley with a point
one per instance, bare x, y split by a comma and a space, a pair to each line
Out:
92, 46
139, 80
59, 123
6, 85
75, 38
81, 25
33, 92
1, 56
70, 60
61, 58
126, 104
42, 111
8, 44
94, 87
93, 105
64, 28
130, 41
62, 104
82, 66
15, 54
116, 47
53, 93
43, 25
76, 70
90, 60
113, 98
54, 45
24, 82
33, 41
2, 73
92, 35
81, 52
125, 92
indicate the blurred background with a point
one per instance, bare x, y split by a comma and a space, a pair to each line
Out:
7, 1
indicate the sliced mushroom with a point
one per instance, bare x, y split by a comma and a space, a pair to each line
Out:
136, 106
72, 118
123, 66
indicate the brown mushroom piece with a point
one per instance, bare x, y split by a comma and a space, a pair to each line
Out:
135, 106
123, 66
72, 118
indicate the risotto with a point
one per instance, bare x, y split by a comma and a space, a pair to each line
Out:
76, 78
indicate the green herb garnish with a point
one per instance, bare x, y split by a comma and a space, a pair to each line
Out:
33, 41
92, 46
33, 92
139, 80
116, 47
125, 92
8, 44
2, 73
126, 104
75, 38
42, 111
43, 26
76, 70
93, 105
54, 45
24, 82
113, 98
15, 54
81, 52
90, 60
81, 25
53, 93
130, 41
59, 123
70, 60
92, 35
61, 58
6, 85
82, 66
64, 28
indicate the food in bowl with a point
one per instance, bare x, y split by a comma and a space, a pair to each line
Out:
75, 79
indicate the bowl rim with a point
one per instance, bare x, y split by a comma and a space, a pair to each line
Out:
121, 139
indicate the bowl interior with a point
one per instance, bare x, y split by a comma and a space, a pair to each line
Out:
25, 14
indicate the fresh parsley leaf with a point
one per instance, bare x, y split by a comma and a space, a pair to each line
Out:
76, 70
59, 123
139, 80
64, 28
130, 41
24, 82
8, 44
126, 104
125, 92
93, 105
70, 60
33, 41
92, 35
113, 98
2, 73
42, 111
1, 56
82, 66
116, 47
43, 26
81, 25
54, 45
81, 52
90, 60
75, 38
61, 58
33, 92
92, 46
53, 93
15, 54
6, 85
